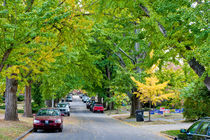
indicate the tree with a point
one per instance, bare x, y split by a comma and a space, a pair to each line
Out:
152, 91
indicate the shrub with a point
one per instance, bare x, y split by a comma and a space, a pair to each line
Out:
2, 107
20, 111
20, 98
196, 101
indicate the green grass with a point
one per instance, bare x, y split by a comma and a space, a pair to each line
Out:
171, 132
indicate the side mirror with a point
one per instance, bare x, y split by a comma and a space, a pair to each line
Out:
62, 114
183, 130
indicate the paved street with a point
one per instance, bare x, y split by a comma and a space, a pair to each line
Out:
85, 125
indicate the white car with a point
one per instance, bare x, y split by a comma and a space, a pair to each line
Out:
64, 108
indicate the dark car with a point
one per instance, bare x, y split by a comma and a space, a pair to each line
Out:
200, 130
88, 103
92, 105
48, 118
69, 99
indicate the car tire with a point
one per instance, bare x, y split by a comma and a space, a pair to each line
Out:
102, 111
68, 114
60, 129
35, 130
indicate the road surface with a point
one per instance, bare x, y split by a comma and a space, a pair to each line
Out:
85, 125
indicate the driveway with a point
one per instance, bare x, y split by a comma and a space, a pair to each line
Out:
85, 125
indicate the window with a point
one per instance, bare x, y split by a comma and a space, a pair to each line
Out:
194, 127
48, 112
203, 128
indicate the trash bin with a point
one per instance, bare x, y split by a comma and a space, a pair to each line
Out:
139, 115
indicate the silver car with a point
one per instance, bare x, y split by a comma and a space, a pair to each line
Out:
64, 108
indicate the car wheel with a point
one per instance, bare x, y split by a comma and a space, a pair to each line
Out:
68, 114
60, 129
102, 111
35, 130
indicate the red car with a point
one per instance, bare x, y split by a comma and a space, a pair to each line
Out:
98, 108
48, 118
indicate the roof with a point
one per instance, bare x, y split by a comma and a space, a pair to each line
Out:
48, 108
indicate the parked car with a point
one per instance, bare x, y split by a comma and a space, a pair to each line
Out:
98, 108
85, 99
92, 105
81, 95
88, 103
48, 118
69, 99
64, 108
200, 130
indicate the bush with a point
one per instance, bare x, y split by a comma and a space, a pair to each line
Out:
196, 101
2, 107
1, 99
35, 107
20, 98
20, 111
37, 98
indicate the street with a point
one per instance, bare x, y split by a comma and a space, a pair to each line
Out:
85, 125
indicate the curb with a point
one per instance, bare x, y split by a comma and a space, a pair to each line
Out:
24, 134
172, 137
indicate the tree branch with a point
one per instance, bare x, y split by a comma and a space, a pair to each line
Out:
4, 58
133, 61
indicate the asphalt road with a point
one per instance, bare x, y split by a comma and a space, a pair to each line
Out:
85, 125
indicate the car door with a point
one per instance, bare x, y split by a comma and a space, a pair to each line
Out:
202, 132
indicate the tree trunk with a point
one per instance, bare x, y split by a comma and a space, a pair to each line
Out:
199, 70
99, 99
150, 105
135, 105
27, 107
104, 103
11, 113
48, 103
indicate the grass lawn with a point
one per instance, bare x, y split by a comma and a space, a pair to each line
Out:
171, 132
10, 130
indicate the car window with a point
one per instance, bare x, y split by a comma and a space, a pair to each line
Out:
203, 128
61, 105
48, 112
194, 127
208, 133
98, 105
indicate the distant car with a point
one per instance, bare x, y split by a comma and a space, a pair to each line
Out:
200, 130
85, 99
64, 108
88, 103
81, 95
98, 108
69, 99
92, 103
48, 118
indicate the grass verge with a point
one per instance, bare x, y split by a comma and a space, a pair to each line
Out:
10, 130
173, 133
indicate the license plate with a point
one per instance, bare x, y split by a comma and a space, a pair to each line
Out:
46, 122
98, 110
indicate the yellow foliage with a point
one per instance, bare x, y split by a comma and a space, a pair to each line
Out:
151, 90
151, 53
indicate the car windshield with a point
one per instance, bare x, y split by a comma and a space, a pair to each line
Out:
98, 105
48, 112
62, 105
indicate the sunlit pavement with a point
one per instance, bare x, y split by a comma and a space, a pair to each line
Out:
85, 125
